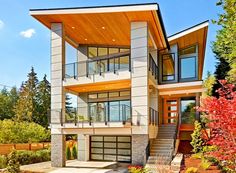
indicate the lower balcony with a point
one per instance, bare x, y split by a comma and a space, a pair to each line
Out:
92, 116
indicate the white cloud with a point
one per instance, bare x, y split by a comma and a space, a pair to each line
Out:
28, 33
1, 24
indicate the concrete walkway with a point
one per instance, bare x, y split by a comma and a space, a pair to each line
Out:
74, 166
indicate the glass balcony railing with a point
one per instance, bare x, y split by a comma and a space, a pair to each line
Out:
93, 114
153, 68
98, 66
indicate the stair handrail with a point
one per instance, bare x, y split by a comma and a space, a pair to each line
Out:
177, 132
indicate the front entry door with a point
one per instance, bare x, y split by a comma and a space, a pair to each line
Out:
171, 109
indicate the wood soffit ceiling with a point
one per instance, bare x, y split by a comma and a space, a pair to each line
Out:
111, 28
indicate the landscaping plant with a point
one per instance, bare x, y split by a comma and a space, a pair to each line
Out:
68, 153
197, 141
13, 165
74, 152
221, 113
137, 169
3, 161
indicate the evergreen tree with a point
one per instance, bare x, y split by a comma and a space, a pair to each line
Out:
208, 84
44, 100
4, 104
26, 105
225, 45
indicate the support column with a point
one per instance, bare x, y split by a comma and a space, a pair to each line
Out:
83, 147
139, 90
57, 93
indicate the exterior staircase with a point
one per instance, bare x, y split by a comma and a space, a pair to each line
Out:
162, 148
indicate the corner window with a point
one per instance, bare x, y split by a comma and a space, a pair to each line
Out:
168, 67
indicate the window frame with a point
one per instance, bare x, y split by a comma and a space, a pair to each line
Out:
162, 68
186, 56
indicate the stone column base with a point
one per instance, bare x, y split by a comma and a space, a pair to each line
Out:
58, 146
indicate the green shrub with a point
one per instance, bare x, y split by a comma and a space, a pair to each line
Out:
13, 165
74, 152
22, 132
68, 153
29, 157
191, 170
3, 161
205, 164
208, 148
197, 141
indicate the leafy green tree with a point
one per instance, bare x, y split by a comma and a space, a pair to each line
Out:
225, 45
43, 101
208, 84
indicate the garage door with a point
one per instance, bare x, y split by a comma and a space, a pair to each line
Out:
110, 148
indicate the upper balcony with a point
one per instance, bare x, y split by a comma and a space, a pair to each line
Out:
98, 64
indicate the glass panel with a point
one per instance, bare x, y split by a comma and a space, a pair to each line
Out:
114, 94
171, 102
102, 51
109, 151
110, 157
188, 67
97, 156
113, 51
101, 112
124, 145
188, 50
124, 50
102, 95
124, 62
171, 114
92, 52
171, 120
124, 139
96, 150
172, 108
109, 145
96, 138
114, 111
92, 96
125, 110
124, 152
93, 67
124, 158
188, 112
125, 93
96, 144
110, 138
103, 65
168, 70
92, 111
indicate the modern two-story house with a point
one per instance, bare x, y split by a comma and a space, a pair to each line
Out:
136, 87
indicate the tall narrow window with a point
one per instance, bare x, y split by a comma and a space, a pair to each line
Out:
188, 111
168, 67
188, 63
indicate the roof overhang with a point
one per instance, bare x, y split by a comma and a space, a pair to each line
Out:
105, 25
188, 37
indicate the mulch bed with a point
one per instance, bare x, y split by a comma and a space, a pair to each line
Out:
192, 162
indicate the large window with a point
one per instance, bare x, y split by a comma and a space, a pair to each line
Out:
103, 59
188, 63
188, 112
168, 67
110, 106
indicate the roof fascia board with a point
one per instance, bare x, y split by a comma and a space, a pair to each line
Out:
188, 31
95, 10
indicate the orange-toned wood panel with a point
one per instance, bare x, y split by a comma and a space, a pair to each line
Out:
181, 88
89, 28
171, 109
101, 86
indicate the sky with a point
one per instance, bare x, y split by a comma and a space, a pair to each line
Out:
24, 42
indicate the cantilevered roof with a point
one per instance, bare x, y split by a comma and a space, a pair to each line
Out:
105, 25
194, 35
